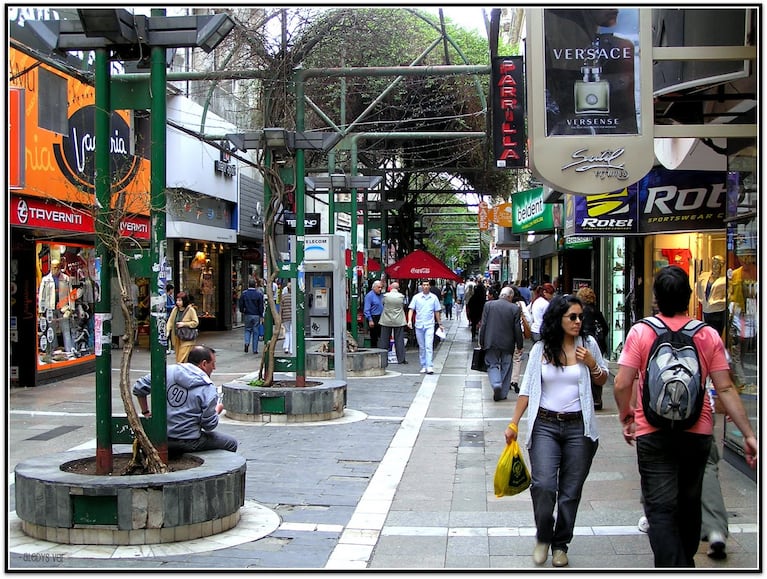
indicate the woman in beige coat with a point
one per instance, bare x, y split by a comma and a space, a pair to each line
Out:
183, 314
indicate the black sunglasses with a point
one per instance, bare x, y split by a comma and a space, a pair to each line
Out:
573, 317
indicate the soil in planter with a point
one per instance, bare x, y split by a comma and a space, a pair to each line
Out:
87, 466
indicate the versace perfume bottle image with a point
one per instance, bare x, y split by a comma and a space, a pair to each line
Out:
592, 95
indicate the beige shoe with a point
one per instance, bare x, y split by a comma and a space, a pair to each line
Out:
540, 553
559, 558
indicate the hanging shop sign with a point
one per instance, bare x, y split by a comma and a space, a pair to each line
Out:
589, 101
312, 223
532, 214
501, 215
663, 201
41, 214
509, 134
483, 218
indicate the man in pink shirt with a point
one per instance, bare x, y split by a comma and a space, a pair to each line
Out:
671, 463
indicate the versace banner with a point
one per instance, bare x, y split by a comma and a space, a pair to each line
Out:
509, 133
589, 97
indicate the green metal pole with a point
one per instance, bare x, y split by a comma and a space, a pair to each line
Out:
103, 189
331, 194
268, 318
300, 228
353, 266
157, 430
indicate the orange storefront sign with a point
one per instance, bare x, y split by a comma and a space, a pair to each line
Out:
60, 166
501, 215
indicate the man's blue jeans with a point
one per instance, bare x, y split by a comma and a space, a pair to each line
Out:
560, 460
251, 330
499, 365
425, 338
671, 466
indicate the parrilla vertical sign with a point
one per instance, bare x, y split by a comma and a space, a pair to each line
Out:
509, 135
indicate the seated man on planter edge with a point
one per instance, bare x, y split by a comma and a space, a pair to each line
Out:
193, 406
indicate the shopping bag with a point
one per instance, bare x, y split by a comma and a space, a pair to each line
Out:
527, 333
511, 474
478, 360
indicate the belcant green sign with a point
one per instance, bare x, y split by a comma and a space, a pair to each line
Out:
530, 213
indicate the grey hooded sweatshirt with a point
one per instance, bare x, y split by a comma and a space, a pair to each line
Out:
192, 400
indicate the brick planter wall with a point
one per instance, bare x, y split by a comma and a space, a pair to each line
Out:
129, 510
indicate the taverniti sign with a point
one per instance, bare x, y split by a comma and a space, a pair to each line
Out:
41, 214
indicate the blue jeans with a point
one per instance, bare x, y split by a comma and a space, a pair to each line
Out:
251, 330
560, 459
425, 338
499, 365
671, 466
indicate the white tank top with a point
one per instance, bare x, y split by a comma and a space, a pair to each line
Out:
559, 388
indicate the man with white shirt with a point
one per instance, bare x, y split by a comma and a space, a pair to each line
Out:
424, 310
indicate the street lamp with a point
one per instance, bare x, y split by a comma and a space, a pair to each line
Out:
131, 37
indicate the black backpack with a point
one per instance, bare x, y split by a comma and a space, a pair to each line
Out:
673, 392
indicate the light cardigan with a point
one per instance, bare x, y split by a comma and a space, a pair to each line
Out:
531, 387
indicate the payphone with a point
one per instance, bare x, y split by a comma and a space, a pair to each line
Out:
318, 304
324, 277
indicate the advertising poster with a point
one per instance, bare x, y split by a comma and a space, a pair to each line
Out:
592, 71
531, 214
664, 201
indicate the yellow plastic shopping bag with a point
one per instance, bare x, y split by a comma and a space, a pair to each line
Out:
511, 474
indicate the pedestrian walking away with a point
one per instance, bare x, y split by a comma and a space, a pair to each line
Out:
423, 312
252, 308
543, 293
562, 435
373, 310
448, 295
500, 334
192, 402
183, 315
393, 321
474, 308
672, 461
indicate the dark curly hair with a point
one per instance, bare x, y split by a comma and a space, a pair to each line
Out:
552, 333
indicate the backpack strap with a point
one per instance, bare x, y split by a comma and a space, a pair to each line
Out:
656, 324
691, 328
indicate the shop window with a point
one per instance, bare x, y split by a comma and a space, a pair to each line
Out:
67, 291
199, 277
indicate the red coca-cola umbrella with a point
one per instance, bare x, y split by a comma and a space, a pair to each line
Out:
420, 264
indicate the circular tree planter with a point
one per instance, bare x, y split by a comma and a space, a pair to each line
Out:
318, 400
65, 507
364, 362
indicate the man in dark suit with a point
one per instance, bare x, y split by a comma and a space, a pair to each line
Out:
500, 332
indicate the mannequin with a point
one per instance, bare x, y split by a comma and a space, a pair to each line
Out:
712, 294
206, 287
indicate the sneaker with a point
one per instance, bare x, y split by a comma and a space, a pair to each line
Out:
559, 558
430, 370
540, 553
643, 524
717, 548
423, 371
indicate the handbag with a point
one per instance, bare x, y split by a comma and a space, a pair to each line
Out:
187, 334
478, 360
526, 331
511, 474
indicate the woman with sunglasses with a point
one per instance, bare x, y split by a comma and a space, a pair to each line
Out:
562, 436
